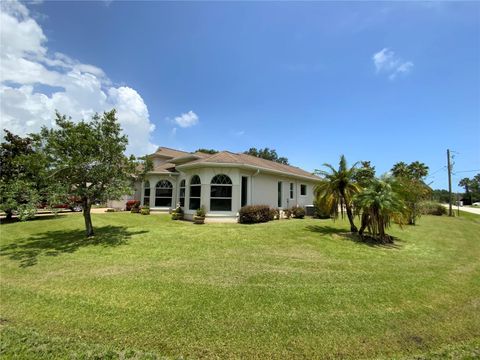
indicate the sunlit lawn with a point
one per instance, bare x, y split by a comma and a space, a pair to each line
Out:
146, 286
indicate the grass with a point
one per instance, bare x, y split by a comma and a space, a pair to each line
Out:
147, 287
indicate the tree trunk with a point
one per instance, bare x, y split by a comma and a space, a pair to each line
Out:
353, 228
9, 215
365, 219
86, 215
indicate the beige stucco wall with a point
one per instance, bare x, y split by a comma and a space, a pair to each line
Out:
261, 189
265, 191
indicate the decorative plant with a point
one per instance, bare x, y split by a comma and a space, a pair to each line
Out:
201, 211
145, 210
177, 214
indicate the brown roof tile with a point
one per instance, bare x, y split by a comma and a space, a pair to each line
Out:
226, 157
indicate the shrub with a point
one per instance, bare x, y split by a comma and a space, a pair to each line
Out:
177, 214
432, 208
252, 214
319, 211
287, 213
131, 205
201, 211
110, 210
26, 212
275, 213
145, 210
298, 212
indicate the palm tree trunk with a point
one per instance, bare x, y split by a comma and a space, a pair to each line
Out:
364, 224
348, 207
86, 215
353, 228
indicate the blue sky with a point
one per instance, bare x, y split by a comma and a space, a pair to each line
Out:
384, 82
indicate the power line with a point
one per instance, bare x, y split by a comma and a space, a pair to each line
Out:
464, 171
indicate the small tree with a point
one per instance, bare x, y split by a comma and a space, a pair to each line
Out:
337, 189
87, 160
379, 205
408, 183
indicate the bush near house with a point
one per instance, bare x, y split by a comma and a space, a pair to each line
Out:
132, 205
319, 211
298, 212
252, 214
177, 214
432, 208
145, 210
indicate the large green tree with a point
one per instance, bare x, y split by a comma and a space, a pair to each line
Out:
335, 192
408, 183
87, 160
268, 154
21, 181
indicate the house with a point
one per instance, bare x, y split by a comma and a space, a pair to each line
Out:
222, 183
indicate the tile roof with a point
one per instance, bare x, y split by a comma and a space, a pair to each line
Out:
172, 153
226, 157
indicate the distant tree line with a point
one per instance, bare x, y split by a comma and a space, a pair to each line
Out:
265, 153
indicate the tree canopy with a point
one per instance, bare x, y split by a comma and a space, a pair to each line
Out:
267, 154
86, 160
207, 151
21, 180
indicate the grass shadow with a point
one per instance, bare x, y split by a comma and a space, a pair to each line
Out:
54, 243
366, 240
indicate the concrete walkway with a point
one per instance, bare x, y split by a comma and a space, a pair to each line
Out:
472, 210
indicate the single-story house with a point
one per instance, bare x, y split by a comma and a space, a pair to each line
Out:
222, 183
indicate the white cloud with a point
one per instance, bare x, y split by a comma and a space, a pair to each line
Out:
79, 90
187, 119
388, 63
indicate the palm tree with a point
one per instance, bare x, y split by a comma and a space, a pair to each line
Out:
379, 206
400, 169
337, 189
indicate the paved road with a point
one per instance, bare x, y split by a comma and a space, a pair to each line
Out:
466, 209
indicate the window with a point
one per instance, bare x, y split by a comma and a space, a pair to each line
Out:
221, 193
181, 195
303, 190
195, 192
279, 194
146, 193
163, 193
244, 190
291, 190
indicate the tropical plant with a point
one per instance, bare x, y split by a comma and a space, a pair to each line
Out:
335, 193
379, 205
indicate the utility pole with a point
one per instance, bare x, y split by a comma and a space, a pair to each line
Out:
449, 166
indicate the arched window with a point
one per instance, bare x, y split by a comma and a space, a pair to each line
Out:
181, 195
221, 193
195, 192
163, 193
146, 193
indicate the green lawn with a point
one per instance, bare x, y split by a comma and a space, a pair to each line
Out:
147, 286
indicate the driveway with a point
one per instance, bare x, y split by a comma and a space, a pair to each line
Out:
466, 209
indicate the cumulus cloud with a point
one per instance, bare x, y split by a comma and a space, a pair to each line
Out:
388, 63
34, 83
186, 120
